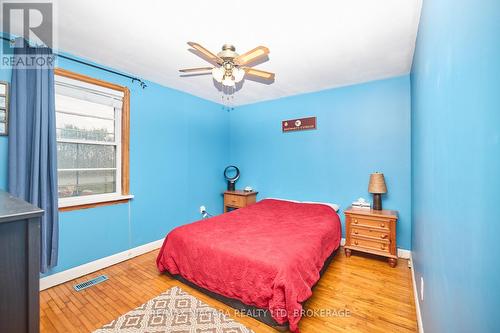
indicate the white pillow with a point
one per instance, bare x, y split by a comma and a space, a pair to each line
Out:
333, 206
296, 201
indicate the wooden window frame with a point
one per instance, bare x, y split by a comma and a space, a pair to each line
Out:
125, 139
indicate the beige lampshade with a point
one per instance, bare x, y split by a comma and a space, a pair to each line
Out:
377, 183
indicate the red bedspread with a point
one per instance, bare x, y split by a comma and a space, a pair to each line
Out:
268, 254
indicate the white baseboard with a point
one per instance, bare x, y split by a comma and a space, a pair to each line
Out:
76, 272
402, 253
415, 294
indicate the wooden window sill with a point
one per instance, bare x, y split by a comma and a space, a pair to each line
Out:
98, 202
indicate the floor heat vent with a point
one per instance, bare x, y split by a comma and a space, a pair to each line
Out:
90, 283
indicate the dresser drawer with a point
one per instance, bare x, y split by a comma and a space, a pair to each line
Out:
370, 232
373, 223
382, 246
234, 200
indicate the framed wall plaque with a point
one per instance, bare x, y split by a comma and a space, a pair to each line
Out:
4, 107
299, 124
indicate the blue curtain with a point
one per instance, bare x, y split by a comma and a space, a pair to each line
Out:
32, 144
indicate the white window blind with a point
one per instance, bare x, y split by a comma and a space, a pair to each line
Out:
88, 122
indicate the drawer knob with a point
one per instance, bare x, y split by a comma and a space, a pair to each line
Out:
382, 225
355, 221
382, 247
355, 242
355, 232
384, 236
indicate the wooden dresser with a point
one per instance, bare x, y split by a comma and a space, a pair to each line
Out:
19, 265
371, 231
238, 199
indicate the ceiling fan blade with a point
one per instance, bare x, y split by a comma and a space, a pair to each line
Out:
252, 55
204, 53
195, 74
258, 73
198, 69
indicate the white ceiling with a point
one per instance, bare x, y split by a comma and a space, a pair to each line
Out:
314, 44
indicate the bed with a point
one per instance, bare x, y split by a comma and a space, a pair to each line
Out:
267, 256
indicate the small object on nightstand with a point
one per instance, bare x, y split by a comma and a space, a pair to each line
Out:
361, 203
238, 199
371, 231
248, 189
377, 187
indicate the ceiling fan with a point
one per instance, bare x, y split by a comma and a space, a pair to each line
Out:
230, 67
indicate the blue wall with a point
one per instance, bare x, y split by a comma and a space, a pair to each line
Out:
181, 143
178, 149
456, 165
361, 129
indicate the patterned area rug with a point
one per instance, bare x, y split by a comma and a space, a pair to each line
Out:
174, 311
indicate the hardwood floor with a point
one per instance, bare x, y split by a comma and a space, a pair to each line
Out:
365, 293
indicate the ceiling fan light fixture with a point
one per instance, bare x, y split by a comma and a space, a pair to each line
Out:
228, 82
230, 67
218, 74
238, 74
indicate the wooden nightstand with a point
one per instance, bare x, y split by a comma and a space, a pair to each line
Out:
238, 199
371, 231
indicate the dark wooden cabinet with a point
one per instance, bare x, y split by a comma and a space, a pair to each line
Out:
19, 265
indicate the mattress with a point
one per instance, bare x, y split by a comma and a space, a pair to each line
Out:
262, 315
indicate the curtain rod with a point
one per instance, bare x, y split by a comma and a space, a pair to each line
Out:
133, 78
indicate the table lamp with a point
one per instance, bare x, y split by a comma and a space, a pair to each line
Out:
377, 187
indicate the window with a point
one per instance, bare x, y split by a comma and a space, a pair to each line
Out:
92, 141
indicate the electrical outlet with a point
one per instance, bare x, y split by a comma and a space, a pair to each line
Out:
203, 209
421, 288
